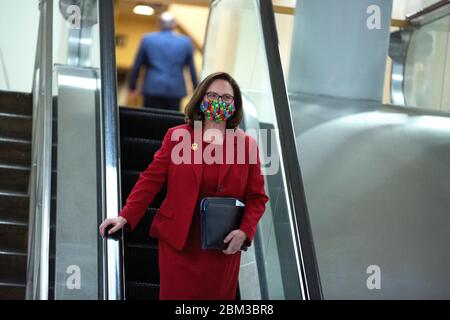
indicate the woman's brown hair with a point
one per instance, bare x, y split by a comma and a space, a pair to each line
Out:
192, 111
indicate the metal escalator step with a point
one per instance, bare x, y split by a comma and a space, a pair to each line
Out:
137, 153
15, 152
14, 178
19, 127
141, 263
141, 291
14, 236
13, 265
126, 109
12, 290
141, 233
129, 179
147, 124
16, 103
14, 207
15, 126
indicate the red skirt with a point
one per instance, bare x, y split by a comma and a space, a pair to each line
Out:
197, 274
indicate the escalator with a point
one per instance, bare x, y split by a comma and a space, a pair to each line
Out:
141, 135
15, 162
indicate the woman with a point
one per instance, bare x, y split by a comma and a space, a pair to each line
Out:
186, 270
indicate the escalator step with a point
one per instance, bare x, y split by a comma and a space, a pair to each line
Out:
15, 126
12, 291
141, 291
147, 125
141, 263
14, 207
125, 109
14, 237
13, 266
129, 179
14, 178
15, 152
137, 153
16, 103
141, 233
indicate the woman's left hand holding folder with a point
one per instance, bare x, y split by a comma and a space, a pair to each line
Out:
235, 240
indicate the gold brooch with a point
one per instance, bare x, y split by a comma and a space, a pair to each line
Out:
194, 146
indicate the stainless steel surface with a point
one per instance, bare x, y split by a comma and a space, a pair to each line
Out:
419, 64
398, 48
87, 10
79, 47
80, 40
77, 183
41, 169
377, 184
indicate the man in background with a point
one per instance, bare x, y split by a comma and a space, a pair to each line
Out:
164, 55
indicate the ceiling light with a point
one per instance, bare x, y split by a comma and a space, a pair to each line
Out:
144, 10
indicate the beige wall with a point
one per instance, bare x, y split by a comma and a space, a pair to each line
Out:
133, 28
193, 20
285, 27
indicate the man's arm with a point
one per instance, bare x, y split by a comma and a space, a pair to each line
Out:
140, 61
191, 64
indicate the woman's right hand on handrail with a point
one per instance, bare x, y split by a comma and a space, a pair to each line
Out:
118, 223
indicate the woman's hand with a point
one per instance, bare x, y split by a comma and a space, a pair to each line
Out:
118, 223
236, 239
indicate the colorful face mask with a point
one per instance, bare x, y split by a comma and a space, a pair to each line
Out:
217, 111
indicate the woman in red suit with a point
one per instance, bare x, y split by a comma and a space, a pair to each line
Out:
193, 160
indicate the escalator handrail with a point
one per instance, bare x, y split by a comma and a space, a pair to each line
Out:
113, 263
430, 13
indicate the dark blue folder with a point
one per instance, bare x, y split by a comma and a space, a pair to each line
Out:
218, 217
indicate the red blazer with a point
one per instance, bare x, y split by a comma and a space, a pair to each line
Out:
172, 221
